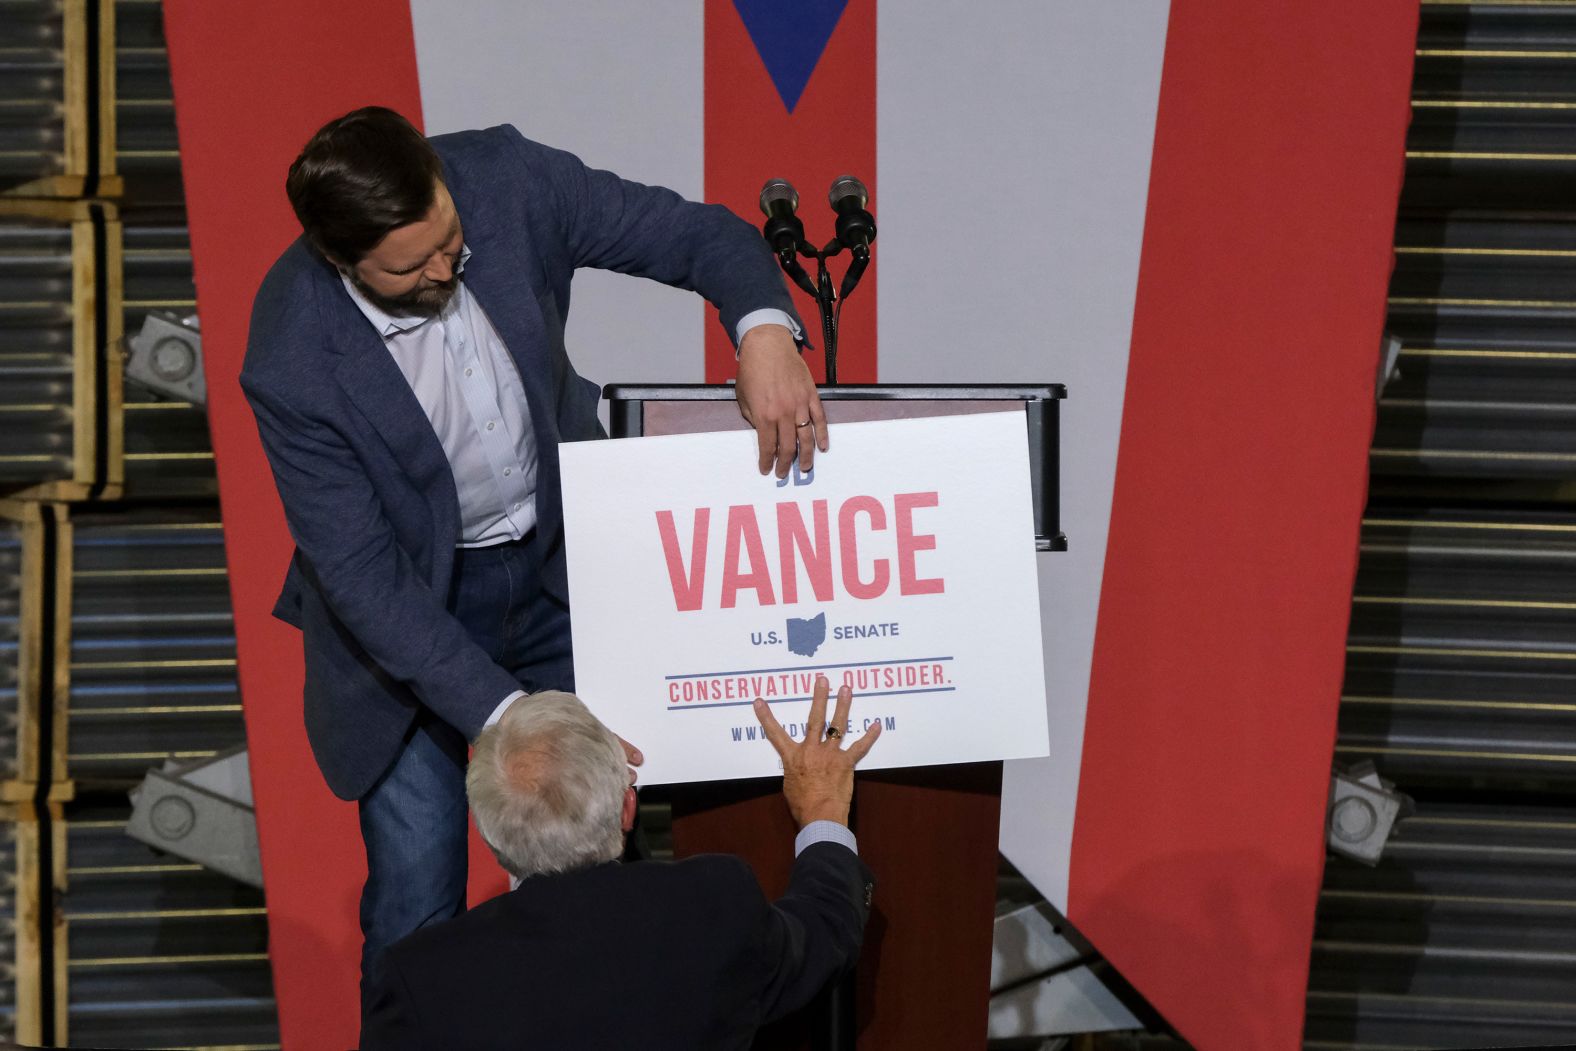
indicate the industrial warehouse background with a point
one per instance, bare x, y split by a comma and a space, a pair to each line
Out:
118, 648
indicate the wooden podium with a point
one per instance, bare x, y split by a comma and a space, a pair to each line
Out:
928, 834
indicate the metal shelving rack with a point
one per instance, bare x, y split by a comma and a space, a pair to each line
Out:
1460, 679
116, 640
57, 66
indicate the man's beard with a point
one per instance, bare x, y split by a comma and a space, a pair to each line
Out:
418, 302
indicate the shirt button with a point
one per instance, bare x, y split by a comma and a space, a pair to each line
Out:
517, 507
467, 372
507, 471
490, 425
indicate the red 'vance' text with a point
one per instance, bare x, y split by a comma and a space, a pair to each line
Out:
746, 567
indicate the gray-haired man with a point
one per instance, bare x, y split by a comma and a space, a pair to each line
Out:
589, 953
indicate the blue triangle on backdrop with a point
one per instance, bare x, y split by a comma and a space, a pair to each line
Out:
790, 35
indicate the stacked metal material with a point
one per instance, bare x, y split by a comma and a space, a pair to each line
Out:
160, 951
9, 885
32, 80
10, 644
36, 351
167, 445
1486, 249
1485, 308
28, 798
10, 672
126, 603
1463, 633
147, 153
1460, 679
152, 643
168, 452
1464, 937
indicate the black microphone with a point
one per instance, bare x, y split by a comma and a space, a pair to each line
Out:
783, 229
856, 227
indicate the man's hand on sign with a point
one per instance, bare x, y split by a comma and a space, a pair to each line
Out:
777, 397
633, 756
818, 774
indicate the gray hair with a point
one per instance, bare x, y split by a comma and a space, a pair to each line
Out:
546, 784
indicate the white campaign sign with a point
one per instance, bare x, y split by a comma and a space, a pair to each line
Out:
903, 565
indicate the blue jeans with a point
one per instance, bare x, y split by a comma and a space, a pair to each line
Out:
414, 820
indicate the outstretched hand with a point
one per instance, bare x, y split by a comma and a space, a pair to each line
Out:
777, 396
818, 773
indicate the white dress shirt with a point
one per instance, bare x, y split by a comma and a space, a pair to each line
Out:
824, 832
468, 385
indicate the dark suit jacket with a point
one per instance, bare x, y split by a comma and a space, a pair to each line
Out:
367, 490
654, 955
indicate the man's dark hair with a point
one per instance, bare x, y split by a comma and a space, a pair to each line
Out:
359, 177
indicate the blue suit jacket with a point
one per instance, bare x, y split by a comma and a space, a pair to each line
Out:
367, 489
687, 956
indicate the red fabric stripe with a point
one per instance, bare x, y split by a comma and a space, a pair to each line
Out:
751, 137
252, 82
1241, 478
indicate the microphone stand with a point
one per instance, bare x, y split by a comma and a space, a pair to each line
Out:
825, 301
828, 299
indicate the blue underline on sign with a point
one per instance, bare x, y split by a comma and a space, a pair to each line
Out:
803, 667
790, 700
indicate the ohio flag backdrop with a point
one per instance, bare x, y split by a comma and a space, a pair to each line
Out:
1183, 211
